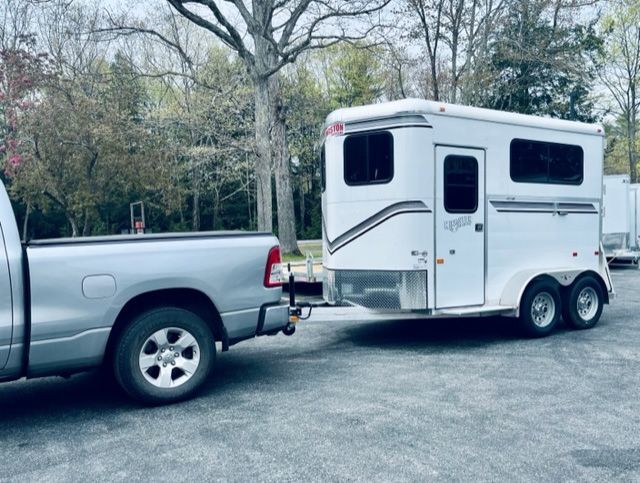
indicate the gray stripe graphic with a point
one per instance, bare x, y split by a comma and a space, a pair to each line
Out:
542, 207
373, 221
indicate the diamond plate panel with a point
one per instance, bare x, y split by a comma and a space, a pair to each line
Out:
376, 289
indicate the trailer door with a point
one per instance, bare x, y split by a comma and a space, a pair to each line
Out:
459, 227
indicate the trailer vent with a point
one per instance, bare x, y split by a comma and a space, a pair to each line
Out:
377, 289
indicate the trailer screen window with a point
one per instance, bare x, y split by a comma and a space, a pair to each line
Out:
549, 163
368, 158
460, 184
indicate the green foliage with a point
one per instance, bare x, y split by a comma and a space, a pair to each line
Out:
88, 149
307, 107
543, 67
354, 75
138, 121
616, 156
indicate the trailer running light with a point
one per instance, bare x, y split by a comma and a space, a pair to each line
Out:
596, 253
575, 254
440, 261
273, 272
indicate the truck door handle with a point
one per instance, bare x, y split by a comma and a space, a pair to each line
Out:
479, 227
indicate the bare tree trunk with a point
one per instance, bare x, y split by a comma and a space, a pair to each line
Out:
215, 209
74, 225
25, 223
284, 193
249, 200
67, 213
86, 226
195, 210
263, 161
631, 132
302, 208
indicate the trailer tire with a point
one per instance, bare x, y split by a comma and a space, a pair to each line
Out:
583, 303
540, 308
164, 355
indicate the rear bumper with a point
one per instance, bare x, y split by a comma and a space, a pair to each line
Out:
273, 318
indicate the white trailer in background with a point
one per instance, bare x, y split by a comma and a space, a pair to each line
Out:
445, 210
619, 221
634, 201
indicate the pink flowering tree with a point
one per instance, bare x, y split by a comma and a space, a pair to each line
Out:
21, 72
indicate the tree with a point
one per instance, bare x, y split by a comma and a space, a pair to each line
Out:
280, 30
455, 34
355, 75
542, 64
621, 73
308, 106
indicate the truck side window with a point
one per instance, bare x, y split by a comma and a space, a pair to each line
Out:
460, 184
547, 163
368, 158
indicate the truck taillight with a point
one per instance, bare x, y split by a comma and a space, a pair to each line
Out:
273, 272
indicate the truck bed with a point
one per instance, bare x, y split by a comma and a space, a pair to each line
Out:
146, 237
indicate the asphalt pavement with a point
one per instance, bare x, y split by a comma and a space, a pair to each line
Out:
352, 399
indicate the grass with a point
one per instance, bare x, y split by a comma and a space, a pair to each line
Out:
315, 248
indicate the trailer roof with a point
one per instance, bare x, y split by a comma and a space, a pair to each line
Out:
431, 108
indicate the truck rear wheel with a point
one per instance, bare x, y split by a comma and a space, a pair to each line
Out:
164, 355
583, 303
540, 308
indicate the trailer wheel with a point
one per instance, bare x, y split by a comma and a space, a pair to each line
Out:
540, 308
164, 355
583, 303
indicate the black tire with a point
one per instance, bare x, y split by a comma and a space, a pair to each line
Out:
170, 382
586, 292
540, 308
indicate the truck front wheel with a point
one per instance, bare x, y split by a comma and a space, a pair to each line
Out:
164, 355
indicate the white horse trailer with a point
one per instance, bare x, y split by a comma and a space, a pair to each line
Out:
619, 221
634, 228
446, 210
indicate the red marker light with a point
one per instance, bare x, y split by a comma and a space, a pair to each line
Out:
575, 254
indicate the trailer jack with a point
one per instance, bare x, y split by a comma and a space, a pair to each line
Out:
295, 308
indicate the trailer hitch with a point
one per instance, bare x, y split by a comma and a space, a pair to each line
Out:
295, 308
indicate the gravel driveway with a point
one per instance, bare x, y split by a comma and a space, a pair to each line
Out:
348, 399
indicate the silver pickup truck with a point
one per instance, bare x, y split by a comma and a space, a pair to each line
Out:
151, 307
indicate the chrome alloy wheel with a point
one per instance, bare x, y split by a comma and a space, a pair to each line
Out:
169, 357
543, 309
587, 303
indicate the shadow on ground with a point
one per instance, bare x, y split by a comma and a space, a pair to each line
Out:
246, 367
444, 334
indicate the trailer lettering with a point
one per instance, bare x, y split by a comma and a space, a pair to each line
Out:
335, 129
457, 223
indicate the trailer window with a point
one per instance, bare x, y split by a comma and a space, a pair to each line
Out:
460, 184
549, 163
368, 158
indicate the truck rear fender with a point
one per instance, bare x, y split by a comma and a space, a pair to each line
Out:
186, 298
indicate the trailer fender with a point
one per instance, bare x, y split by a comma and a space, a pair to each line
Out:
515, 287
